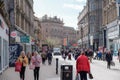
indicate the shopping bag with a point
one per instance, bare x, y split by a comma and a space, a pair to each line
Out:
90, 76
18, 66
31, 66
112, 63
77, 77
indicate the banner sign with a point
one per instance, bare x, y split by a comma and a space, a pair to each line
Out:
14, 50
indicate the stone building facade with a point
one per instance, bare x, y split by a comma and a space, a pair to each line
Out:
22, 21
83, 28
95, 22
89, 23
24, 15
52, 27
37, 42
111, 24
70, 34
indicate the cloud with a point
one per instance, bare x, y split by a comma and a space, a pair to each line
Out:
81, 1
73, 6
70, 21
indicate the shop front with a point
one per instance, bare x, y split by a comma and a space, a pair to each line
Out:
85, 42
23, 39
22, 43
4, 43
116, 46
79, 43
113, 40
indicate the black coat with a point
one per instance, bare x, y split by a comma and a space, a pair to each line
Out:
90, 53
118, 53
108, 57
49, 56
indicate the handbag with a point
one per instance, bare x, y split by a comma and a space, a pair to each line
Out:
112, 63
31, 66
90, 76
18, 66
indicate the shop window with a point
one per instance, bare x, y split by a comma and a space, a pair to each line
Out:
5, 53
0, 54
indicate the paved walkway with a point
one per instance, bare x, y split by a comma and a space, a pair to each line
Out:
99, 69
46, 73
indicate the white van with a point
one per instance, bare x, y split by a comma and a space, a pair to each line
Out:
56, 51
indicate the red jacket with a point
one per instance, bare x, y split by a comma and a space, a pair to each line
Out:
82, 64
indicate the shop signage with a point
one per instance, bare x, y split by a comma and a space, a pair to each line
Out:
17, 39
14, 52
13, 34
65, 41
25, 39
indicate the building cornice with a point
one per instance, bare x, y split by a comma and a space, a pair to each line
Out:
4, 13
30, 3
51, 21
54, 19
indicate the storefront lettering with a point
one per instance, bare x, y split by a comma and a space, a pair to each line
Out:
13, 48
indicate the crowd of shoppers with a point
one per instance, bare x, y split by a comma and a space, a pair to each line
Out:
83, 59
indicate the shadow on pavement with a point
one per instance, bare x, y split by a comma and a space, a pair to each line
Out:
113, 69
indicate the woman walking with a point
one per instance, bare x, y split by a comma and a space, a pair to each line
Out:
29, 57
43, 55
36, 60
49, 57
108, 59
24, 60
83, 66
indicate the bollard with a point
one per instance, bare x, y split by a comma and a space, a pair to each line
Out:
56, 65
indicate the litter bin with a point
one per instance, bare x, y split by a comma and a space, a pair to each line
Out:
66, 72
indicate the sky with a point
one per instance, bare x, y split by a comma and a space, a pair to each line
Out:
68, 10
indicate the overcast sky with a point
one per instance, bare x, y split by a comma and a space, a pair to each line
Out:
66, 9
